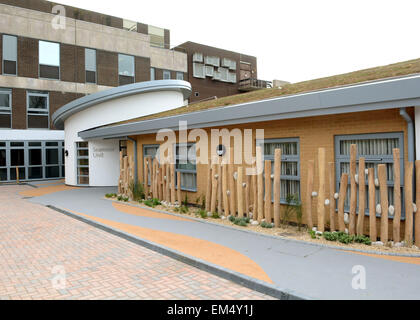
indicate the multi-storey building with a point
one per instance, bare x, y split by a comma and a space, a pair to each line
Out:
45, 66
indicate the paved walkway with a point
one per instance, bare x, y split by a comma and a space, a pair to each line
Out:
306, 269
37, 244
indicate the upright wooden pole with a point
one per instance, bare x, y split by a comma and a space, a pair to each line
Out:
259, 157
161, 174
267, 200
247, 192
321, 192
173, 189
341, 200
232, 182
332, 192
219, 188
214, 187
154, 179
417, 218
240, 192
408, 202
277, 186
396, 236
164, 181
209, 186
383, 187
146, 177
255, 196
309, 190
179, 188
353, 190
225, 189
362, 197
17, 175
372, 206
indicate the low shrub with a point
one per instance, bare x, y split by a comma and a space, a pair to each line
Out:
137, 190
242, 222
176, 209
149, 203
202, 213
266, 225
330, 236
363, 239
120, 198
312, 233
215, 215
232, 219
184, 209
156, 202
125, 199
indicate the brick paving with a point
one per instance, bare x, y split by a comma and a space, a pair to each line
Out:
37, 243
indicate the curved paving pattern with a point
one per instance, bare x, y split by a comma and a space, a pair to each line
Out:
42, 191
140, 212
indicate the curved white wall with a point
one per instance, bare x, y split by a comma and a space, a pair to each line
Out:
104, 154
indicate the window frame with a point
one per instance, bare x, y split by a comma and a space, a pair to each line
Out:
5, 110
49, 65
194, 172
2, 55
376, 159
134, 68
96, 66
145, 146
38, 94
179, 75
284, 159
152, 74
167, 72
195, 75
82, 166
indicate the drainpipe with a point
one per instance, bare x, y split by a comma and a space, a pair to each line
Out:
410, 133
136, 178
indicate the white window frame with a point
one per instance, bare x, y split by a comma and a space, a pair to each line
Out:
49, 65
166, 75
36, 112
199, 75
16, 59
179, 76
134, 65
190, 158
7, 110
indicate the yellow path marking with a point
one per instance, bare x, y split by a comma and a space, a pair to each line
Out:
49, 183
410, 260
146, 213
202, 249
47, 190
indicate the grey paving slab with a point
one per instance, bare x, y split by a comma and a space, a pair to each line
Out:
313, 271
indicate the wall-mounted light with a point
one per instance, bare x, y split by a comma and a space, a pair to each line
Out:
66, 153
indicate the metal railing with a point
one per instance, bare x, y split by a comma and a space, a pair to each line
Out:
254, 84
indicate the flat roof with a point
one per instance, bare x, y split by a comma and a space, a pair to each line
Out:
377, 95
88, 101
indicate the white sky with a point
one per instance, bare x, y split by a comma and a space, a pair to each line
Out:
293, 40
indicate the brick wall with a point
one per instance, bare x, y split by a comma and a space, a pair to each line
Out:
59, 99
80, 65
1, 53
107, 70
142, 69
18, 109
27, 57
68, 62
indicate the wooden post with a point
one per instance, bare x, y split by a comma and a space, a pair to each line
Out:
225, 189
260, 185
267, 200
173, 189
153, 178
209, 186
126, 175
353, 190
164, 182
240, 192
341, 199
219, 188
168, 182
408, 189
146, 174
232, 183
396, 236
332, 192
247, 192
214, 186
321, 192
161, 174
309, 190
277, 186
383, 187
362, 197
179, 188
372, 206
417, 219
17, 175
255, 196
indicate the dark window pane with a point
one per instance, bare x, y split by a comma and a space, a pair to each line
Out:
83, 153
52, 172
16, 144
2, 158
3, 174
5, 121
35, 157
34, 144
9, 67
17, 157
52, 156
83, 180
124, 80
2, 144
63, 171
83, 162
38, 122
52, 144
83, 171
82, 144
38, 102
21, 174
4, 100
35, 173
49, 72
90, 77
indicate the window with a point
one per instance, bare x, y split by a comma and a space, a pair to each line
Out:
198, 70
9, 55
376, 149
290, 163
197, 57
185, 157
157, 36
5, 108
209, 71
224, 74
152, 74
49, 60
179, 76
150, 151
37, 108
90, 65
17, 159
232, 77
166, 75
3, 161
231, 64
126, 69
213, 61
129, 25
82, 149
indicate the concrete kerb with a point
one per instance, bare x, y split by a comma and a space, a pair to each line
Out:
243, 280
407, 255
